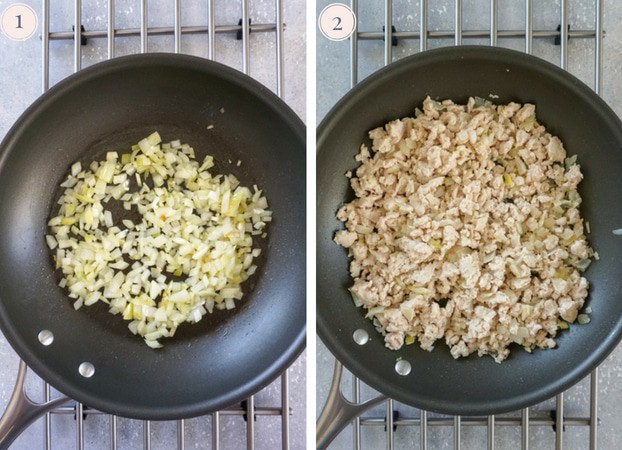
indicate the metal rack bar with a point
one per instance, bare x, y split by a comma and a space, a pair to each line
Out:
69, 409
245, 38
177, 31
45, 45
528, 26
559, 422
563, 28
110, 31
47, 424
216, 430
389, 425
524, 435
598, 48
45, 71
181, 434
491, 433
388, 32
156, 31
278, 18
211, 29
77, 40
285, 410
493, 22
80, 427
594, 409
457, 426
147, 434
113, 432
539, 421
356, 396
143, 26
476, 34
250, 423
457, 23
423, 429
354, 46
423, 26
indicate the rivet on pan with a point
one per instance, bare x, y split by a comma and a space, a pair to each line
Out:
403, 367
86, 369
46, 337
360, 336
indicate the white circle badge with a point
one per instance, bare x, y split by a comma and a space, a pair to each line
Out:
18, 22
337, 22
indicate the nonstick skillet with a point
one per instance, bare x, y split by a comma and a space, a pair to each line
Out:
109, 106
569, 109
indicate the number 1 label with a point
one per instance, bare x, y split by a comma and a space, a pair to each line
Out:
337, 22
18, 22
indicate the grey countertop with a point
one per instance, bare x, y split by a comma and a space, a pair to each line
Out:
21, 83
333, 81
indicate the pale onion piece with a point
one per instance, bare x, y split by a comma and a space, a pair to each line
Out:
583, 319
119, 265
153, 344
161, 315
51, 242
356, 300
231, 292
374, 311
154, 289
92, 298
108, 218
76, 168
181, 296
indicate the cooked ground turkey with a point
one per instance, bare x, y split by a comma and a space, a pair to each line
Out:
466, 228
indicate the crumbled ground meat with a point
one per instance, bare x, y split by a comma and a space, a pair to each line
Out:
466, 227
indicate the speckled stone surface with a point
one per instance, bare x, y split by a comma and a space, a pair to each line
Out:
333, 78
21, 83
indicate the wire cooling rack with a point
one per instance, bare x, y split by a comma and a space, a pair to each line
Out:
112, 36
387, 419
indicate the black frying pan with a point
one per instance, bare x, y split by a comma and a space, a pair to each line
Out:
228, 355
587, 126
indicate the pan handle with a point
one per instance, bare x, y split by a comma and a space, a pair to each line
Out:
21, 411
338, 412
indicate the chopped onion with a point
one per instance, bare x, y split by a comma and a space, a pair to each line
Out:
190, 250
583, 319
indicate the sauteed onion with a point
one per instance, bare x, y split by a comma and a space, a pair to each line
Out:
180, 247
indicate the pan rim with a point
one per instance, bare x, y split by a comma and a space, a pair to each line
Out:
328, 335
8, 326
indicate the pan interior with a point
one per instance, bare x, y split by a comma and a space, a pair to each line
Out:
110, 106
568, 109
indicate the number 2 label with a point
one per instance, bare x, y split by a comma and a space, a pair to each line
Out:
337, 26
337, 22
